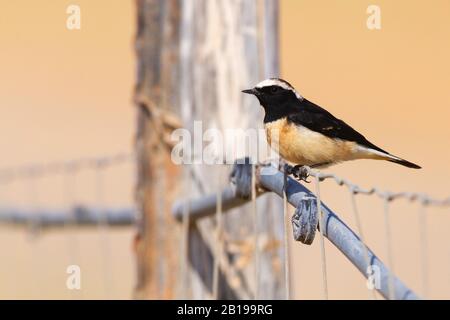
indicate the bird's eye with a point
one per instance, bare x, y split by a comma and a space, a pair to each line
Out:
274, 89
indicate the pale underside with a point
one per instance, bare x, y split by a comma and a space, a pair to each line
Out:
302, 146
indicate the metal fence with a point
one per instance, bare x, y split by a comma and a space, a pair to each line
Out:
78, 215
247, 183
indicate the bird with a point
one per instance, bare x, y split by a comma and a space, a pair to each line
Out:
306, 135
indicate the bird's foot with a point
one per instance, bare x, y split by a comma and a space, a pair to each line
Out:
301, 173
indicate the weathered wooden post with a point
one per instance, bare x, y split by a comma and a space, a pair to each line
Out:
194, 58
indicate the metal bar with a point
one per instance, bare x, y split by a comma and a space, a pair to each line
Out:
79, 216
336, 231
206, 206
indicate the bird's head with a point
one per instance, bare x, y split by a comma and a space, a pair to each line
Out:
275, 93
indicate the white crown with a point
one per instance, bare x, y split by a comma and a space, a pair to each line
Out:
280, 83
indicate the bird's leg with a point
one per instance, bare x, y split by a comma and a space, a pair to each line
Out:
300, 172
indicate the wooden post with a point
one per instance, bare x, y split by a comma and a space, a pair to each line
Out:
194, 58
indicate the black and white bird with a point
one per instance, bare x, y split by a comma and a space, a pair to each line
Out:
304, 134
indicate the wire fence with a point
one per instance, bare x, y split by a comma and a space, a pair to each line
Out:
387, 197
309, 217
248, 183
65, 197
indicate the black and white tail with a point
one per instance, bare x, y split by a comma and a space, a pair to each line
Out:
404, 162
380, 154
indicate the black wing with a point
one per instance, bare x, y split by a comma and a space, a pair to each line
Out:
320, 120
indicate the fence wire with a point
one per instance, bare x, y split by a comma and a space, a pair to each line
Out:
43, 169
36, 217
411, 196
387, 197
354, 190
70, 169
39, 217
323, 257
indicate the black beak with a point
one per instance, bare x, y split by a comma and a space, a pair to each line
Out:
251, 91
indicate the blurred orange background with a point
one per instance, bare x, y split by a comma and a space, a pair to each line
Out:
391, 85
66, 94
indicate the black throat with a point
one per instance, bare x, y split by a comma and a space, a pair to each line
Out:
280, 109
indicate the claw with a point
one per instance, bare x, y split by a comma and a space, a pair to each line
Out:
300, 173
